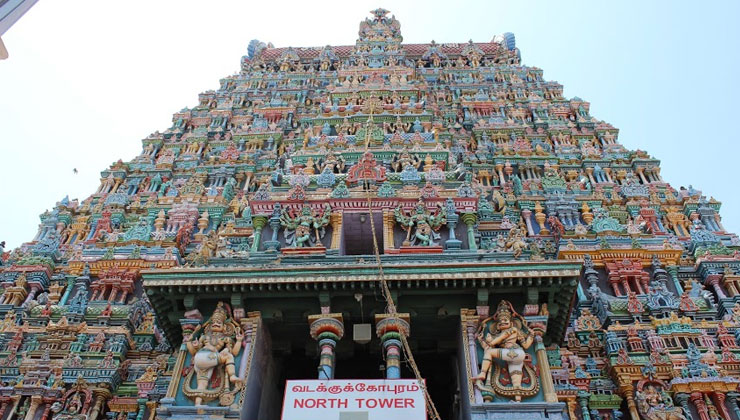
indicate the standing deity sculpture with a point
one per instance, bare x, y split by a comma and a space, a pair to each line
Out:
75, 403
506, 368
214, 346
298, 228
426, 224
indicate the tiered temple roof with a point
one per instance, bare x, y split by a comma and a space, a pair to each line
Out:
480, 182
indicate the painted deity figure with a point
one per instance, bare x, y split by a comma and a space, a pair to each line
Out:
71, 409
515, 240
299, 228
219, 342
654, 403
205, 251
505, 338
426, 223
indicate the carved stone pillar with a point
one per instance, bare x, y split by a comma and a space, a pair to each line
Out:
718, 222
469, 219
526, 213
273, 245
470, 320
719, 401
713, 280
608, 172
142, 408
67, 291
698, 399
336, 220
583, 402
548, 388
730, 284
641, 173
35, 288
152, 406
590, 174
499, 169
327, 329
100, 394
732, 397
673, 271
388, 222
4, 406
390, 328
629, 393
35, 402
116, 185
113, 294
683, 400
47, 408
14, 403
452, 243
572, 406
259, 223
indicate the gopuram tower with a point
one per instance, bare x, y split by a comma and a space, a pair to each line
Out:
377, 231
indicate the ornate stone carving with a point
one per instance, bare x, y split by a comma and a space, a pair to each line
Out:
506, 367
213, 347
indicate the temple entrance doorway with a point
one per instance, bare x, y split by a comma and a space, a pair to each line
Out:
298, 359
357, 232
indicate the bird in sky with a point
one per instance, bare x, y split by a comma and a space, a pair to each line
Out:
74, 171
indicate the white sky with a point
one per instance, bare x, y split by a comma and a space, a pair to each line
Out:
87, 80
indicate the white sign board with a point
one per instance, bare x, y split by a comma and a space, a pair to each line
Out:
354, 399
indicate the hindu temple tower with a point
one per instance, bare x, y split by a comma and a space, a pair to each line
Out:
359, 230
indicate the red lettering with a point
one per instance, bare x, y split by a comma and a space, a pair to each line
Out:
320, 403
378, 402
386, 403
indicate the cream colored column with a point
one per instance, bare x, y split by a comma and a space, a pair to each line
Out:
336, 220
545, 375
388, 222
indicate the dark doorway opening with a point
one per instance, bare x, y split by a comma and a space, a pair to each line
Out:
439, 371
357, 233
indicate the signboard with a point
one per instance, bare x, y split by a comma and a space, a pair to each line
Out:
354, 399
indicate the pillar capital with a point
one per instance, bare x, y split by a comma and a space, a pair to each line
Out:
681, 397
393, 323
259, 221
469, 218
392, 329
327, 329
719, 401
326, 325
102, 392
713, 279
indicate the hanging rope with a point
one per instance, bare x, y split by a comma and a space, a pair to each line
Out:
385, 290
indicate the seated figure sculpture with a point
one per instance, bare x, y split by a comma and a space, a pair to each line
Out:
653, 403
